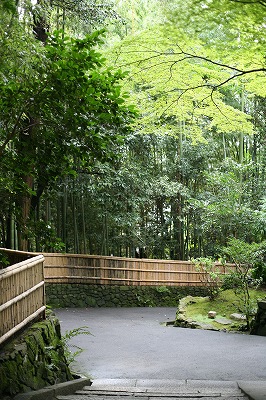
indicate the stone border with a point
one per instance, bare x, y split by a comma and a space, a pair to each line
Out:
34, 360
50, 393
183, 321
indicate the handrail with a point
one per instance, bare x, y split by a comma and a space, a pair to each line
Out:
22, 294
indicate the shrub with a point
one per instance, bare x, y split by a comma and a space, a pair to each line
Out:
209, 275
244, 256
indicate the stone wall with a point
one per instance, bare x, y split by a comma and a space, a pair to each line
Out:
33, 360
84, 295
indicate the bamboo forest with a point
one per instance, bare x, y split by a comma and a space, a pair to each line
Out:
132, 126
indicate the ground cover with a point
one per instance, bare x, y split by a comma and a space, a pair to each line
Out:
196, 309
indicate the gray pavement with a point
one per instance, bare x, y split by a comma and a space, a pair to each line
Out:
131, 353
132, 343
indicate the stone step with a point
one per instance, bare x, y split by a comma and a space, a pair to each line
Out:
157, 389
163, 392
178, 396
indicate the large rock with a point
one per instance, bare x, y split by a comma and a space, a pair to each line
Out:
259, 325
34, 359
212, 314
223, 321
238, 317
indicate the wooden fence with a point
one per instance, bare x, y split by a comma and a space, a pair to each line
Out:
22, 296
73, 268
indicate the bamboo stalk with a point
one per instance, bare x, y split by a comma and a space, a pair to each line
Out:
85, 278
81, 267
21, 296
22, 293
4, 273
22, 324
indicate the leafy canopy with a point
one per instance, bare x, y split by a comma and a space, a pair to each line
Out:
75, 101
170, 84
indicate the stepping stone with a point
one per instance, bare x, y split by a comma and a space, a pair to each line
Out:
238, 317
223, 321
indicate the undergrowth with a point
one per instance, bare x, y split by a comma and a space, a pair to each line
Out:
225, 304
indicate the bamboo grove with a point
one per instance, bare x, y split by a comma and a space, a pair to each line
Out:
150, 136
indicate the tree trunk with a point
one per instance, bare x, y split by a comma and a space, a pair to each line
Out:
25, 206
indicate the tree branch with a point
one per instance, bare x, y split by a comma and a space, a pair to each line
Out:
261, 2
185, 56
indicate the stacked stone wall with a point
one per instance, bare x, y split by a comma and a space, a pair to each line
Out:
84, 295
33, 360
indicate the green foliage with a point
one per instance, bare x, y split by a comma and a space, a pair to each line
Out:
135, 202
228, 206
162, 289
239, 24
169, 85
134, 17
66, 343
242, 253
8, 5
225, 304
43, 237
172, 182
173, 73
61, 108
259, 267
231, 280
209, 275
244, 256
4, 261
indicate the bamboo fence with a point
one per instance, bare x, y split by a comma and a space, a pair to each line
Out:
104, 270
22, 296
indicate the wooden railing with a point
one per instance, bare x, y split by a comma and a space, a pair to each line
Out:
22, 296
73, 268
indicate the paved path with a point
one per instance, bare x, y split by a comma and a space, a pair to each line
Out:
131, 343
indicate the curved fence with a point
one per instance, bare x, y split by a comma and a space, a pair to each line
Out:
104, 270
22, 296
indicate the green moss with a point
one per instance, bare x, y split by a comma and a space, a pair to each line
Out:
10, 370
3, 379
26, 373
27, 365
91, 302
224, 305
32, 348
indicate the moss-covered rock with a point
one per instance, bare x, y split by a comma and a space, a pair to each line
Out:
182, 320
34, 360
259, 324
